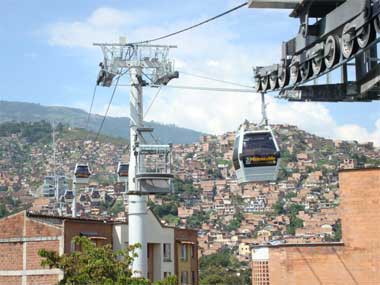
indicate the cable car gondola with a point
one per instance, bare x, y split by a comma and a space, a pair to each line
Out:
256, 156
122, 172
82, 173
68, 196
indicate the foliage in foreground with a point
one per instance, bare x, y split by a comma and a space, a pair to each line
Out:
223, 268
97, 265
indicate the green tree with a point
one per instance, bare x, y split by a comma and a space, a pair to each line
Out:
96, 265
337, 232
295, 222
3, 210
223, 268
164, 209
173, 220
278, 207
235, 222
117, 207
197, 219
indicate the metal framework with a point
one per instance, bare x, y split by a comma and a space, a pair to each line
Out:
149, 165
344, 33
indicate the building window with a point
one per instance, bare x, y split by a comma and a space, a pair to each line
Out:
167, 252
167, 274
192, 251
193, 277
184, 278
183, 252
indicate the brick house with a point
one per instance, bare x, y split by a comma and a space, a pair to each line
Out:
24, 234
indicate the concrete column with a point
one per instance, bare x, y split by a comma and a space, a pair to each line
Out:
137, 204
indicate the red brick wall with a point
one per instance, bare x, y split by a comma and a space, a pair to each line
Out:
74, 228
12, 226
19, 227
36, 229
360, 207
42, 279
355, 262
307, 265
10, 280
32, 248
10, 256
260, 273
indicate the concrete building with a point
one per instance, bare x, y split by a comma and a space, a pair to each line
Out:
24, 234
244, 249
355, 260
160, 246
186, 256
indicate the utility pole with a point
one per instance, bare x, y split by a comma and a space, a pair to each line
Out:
152, 62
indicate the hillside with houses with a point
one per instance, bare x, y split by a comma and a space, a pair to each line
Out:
301, 207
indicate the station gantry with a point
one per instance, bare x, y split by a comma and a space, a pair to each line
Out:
333, 34
153, 169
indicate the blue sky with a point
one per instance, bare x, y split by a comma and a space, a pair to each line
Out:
47, 58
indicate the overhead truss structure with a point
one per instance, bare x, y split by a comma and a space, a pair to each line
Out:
344, 34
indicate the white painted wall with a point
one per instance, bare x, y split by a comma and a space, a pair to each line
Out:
260, 254
157, 235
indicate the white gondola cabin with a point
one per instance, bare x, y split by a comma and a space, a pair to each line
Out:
256, 156
122, 172
82, 173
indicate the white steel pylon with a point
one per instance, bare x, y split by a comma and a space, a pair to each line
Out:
151, 61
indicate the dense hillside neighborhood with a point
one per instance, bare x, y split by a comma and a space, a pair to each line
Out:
300, 208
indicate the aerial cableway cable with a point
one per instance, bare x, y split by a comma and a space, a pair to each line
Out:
90, 111
215, 79
152, 102
193, 26
110, 102
108, 107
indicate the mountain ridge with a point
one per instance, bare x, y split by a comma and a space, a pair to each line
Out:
75, 117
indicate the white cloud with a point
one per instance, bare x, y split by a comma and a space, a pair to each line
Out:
103, 25
355, 132
215, 50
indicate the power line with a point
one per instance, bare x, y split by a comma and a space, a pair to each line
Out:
108, 107
214, 79
193, 26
